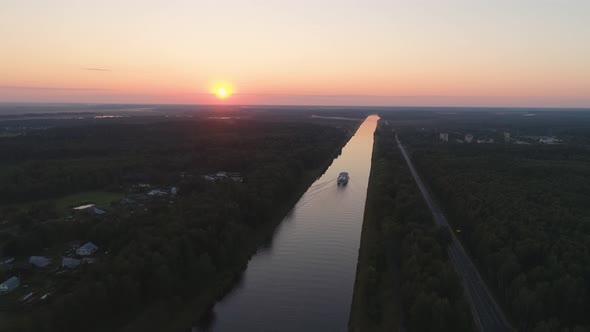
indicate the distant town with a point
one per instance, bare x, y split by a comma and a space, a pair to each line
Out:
503, 137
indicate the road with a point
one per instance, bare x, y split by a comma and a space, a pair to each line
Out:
487, 313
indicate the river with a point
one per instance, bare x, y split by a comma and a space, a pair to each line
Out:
304, 280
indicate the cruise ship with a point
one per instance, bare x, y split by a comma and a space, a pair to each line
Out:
342, 178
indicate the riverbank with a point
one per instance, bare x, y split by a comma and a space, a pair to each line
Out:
368, 307
178, 316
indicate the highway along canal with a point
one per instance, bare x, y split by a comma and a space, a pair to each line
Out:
304, 280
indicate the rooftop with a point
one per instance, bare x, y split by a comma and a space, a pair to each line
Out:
84, 207
11, 282
89, 246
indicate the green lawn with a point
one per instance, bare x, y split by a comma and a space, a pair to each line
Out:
102, 199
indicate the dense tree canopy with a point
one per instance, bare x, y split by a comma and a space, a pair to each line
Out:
524, 216
405, 241
166, 253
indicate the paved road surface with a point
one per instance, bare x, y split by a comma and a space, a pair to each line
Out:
487, 314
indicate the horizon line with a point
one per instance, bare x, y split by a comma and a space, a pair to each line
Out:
293, 105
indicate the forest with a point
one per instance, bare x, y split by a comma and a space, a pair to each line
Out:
155, 259
404, 278
523, 215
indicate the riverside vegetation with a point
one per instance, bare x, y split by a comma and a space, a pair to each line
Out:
404, 276
165, 254
523, 213
520, 204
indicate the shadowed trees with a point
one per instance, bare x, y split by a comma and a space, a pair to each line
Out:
165, 254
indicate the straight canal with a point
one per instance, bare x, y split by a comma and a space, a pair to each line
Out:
304, 280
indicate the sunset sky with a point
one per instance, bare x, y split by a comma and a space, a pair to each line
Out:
321, 52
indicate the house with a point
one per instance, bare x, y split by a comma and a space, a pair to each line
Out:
9, 285
39, 261
70, 262
157, 192
468, 138
174, 190
87, 249
444, 137
91, 209
506, 136
84, 207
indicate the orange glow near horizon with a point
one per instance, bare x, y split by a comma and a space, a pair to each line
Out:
375, 52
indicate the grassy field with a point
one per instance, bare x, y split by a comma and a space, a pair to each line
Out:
102, 199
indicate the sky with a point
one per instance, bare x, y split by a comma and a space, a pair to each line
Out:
297, 52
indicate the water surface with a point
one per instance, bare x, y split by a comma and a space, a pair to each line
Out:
304, 280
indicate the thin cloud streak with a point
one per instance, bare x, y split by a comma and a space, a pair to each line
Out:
97, 69
361, 95
48, 88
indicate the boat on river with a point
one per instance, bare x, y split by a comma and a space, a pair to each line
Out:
342, 178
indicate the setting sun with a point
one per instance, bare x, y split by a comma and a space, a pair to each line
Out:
222, 92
